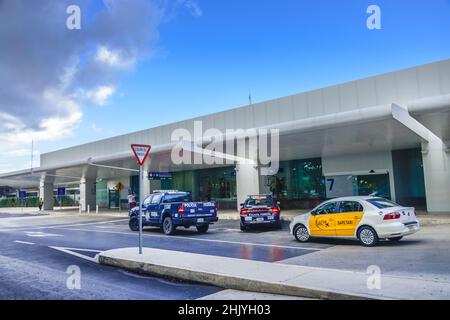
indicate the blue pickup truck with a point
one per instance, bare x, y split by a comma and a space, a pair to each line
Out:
171, 209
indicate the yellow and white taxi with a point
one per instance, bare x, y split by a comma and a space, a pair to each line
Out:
368, 219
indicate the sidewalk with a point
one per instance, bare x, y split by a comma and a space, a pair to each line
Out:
273, 278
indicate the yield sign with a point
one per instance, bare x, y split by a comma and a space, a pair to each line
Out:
141, 152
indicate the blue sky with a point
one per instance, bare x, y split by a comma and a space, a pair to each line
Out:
207, 60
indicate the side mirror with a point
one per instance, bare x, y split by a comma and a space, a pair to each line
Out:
241, 204
313, 213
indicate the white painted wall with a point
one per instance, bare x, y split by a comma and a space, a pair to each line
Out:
359, 163
436, 163
247, 181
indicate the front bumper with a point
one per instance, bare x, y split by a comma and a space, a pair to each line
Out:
397, 229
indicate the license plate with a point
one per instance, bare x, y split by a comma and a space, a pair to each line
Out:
201, 220
259, 219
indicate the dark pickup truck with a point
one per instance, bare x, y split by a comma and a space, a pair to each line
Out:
171, 209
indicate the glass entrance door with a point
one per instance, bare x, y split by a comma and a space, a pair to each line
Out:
377, 185
114, 198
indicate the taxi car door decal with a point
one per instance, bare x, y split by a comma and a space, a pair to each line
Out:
348, 218
346, 223
322, 225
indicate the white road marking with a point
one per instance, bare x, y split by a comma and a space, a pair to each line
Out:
38, 234
196, 239
88, 223
61, 226
76, 254
24, 242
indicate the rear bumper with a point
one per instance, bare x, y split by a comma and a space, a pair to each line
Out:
187, 222
398, 229
245, 220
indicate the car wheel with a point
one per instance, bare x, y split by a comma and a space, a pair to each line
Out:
368, 236
134, 224
396, 239
203, 228
168, 227
301, 233
244, 228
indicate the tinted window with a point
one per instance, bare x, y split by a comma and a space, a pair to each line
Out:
171, 198
350, 206
156, 198
147, 201
328, 208
268, 202
381, 203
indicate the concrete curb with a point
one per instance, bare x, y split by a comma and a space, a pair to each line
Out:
225, 281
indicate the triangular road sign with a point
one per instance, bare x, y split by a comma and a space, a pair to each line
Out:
141, 152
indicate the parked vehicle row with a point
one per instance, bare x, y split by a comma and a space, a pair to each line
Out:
367, 219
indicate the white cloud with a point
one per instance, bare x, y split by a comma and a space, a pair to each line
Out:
115, 58
193, 7
101, 95
44, 91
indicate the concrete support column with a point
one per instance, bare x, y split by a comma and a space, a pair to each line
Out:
436, 166
247, 181
87, 194
146, 184
46, 194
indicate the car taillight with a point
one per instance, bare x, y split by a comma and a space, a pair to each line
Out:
181, 209
275, 210
392, 216
244, 211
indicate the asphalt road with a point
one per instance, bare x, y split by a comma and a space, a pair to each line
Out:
36, 253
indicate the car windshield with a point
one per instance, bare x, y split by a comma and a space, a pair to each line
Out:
381, 203
179, 197
259, 202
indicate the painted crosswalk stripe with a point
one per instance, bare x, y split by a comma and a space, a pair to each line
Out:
24, 242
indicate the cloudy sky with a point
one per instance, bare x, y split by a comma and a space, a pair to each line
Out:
140, 63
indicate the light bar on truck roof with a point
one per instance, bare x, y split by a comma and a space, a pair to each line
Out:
166, 191
256, 196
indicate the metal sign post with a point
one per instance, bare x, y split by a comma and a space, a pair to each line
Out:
141, 153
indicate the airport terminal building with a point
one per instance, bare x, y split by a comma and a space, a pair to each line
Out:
386, 135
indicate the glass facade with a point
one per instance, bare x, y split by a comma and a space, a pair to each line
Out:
218, 184
101, 193
373, 185
409, 178
298, 180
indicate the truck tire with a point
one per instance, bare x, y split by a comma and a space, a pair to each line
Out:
203, 228
244, 228
168, 227
134, 224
